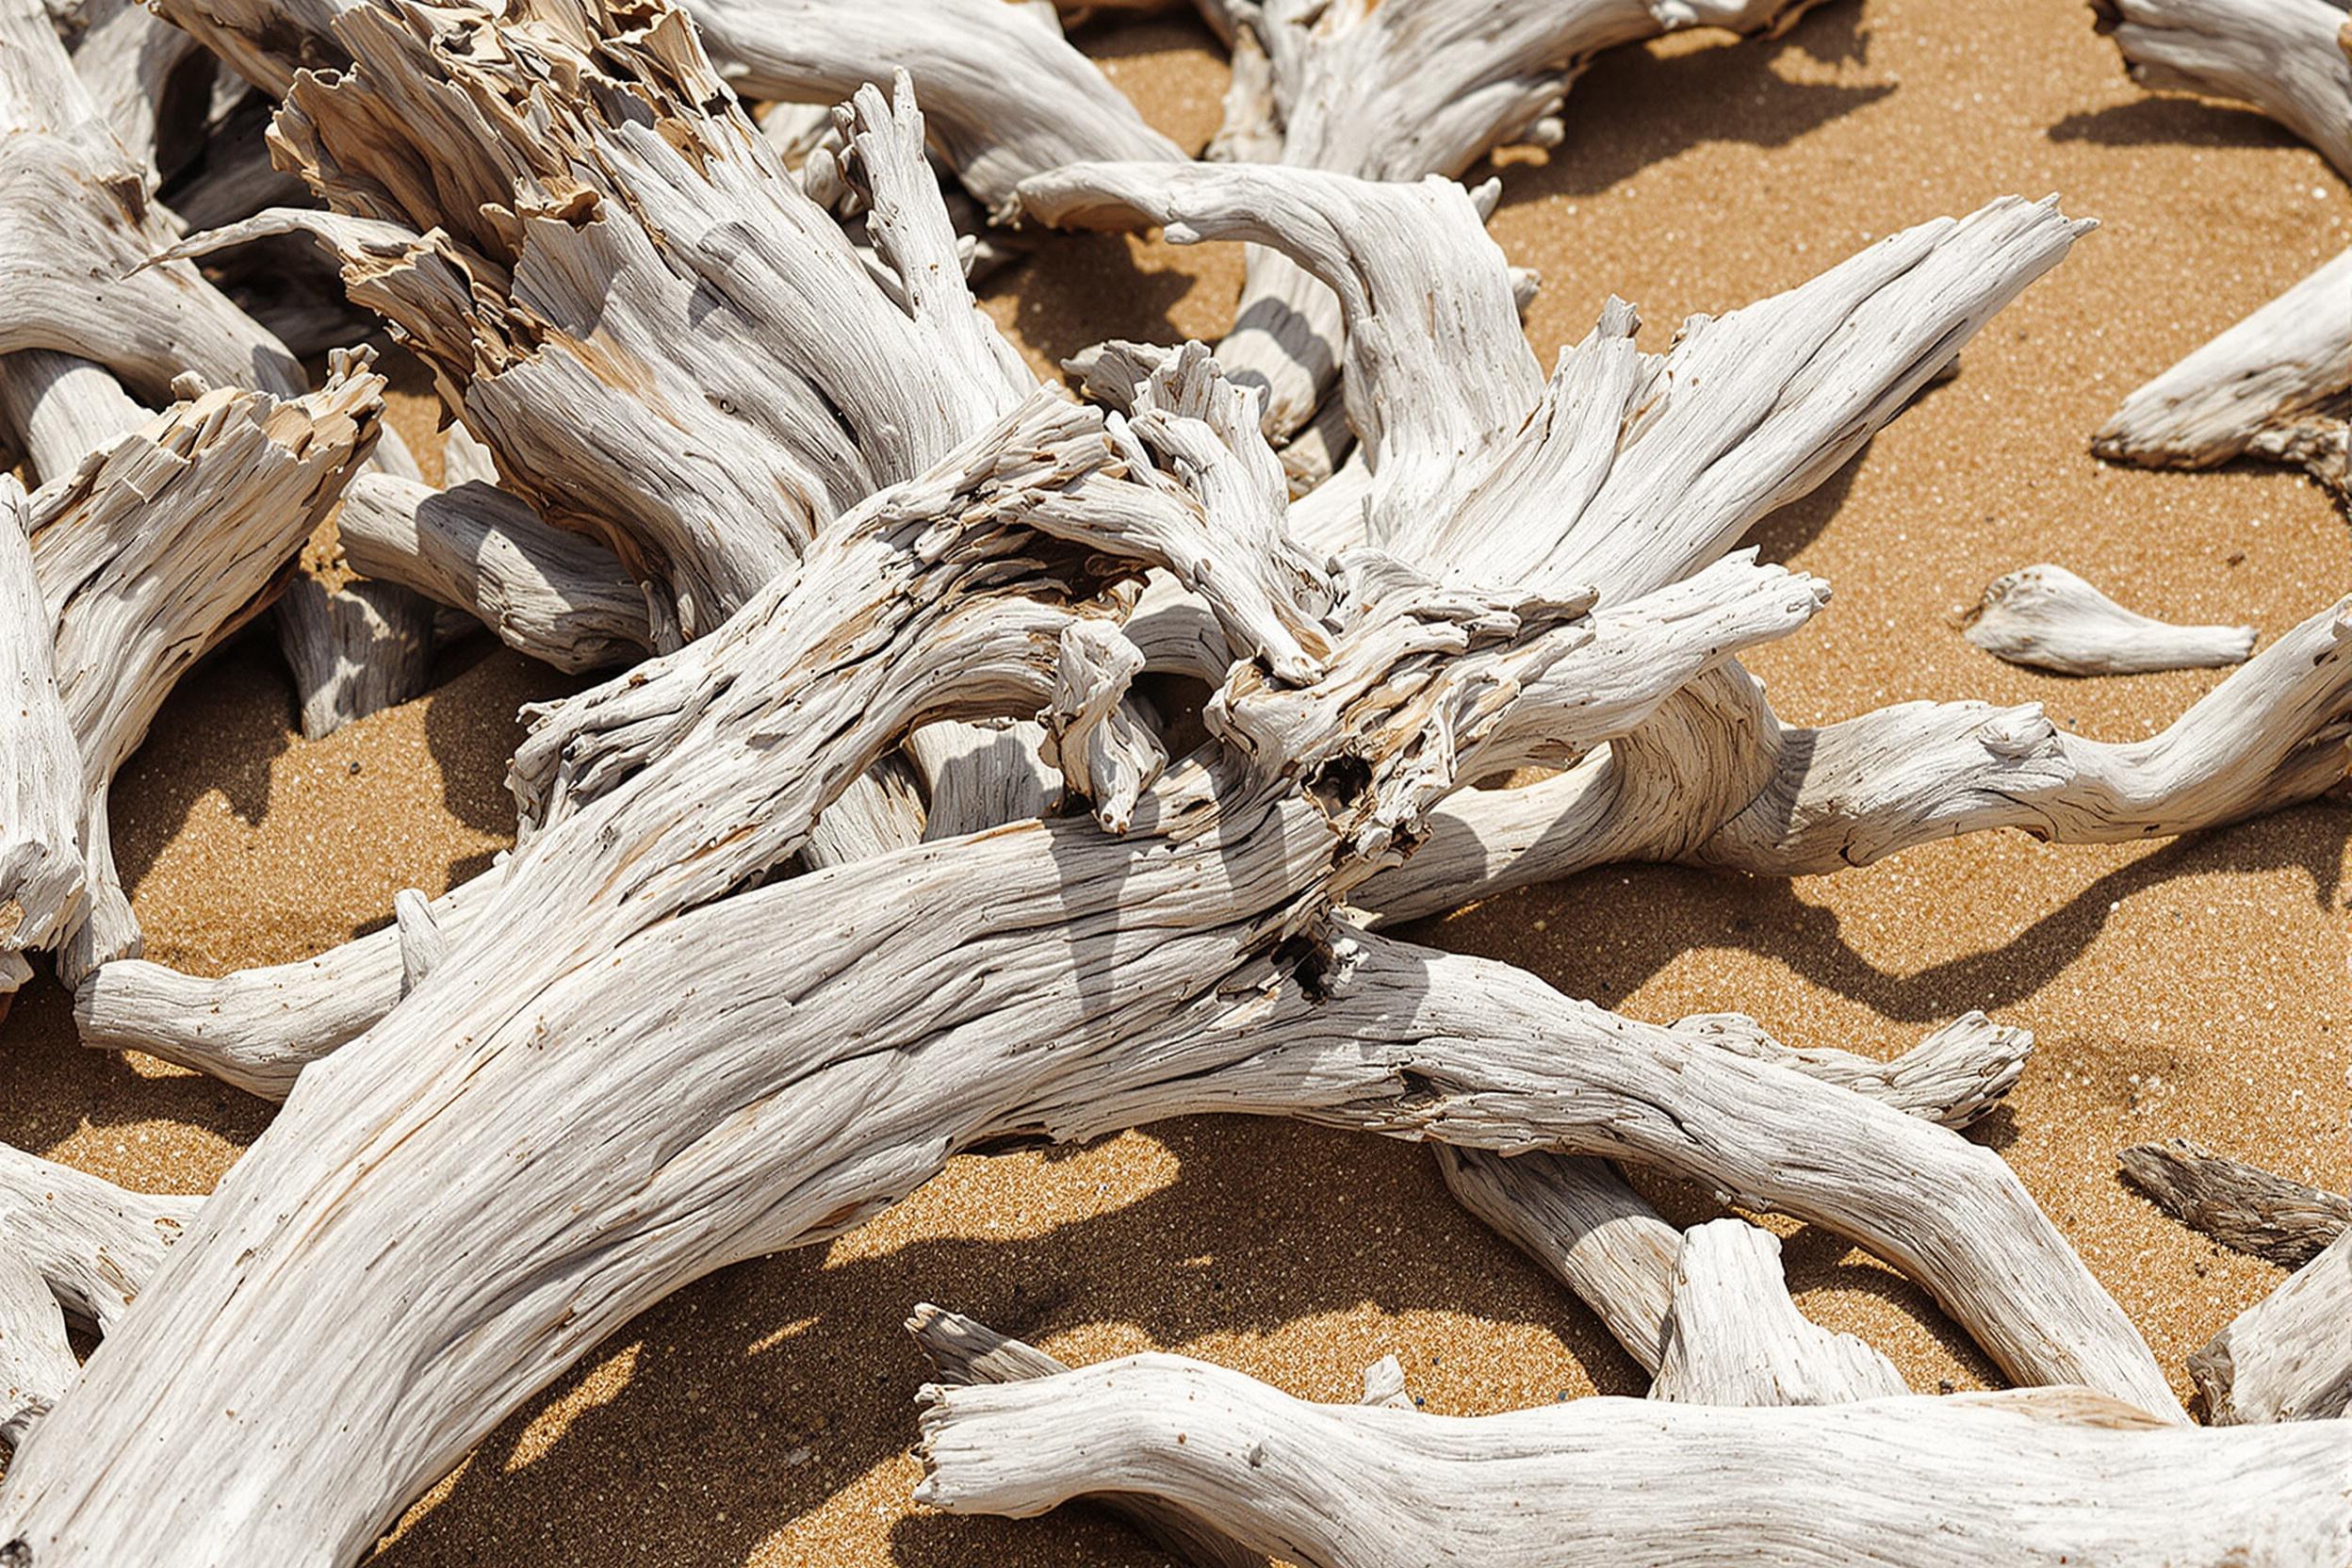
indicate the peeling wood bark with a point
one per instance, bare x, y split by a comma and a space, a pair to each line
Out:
2286, 1358
2049, 618
1916, 1479
2246, 1209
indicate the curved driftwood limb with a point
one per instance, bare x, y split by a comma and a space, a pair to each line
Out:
78, 226
962, 1352
2286, 1358
2271, 735
2049, 618
353, 650
2244, 1208
2289, 58
556, 596
1916, 1479
2274, 386
69, 1243
423, 943
135, 65
43, 802
258, 1028
1733, 1337
1578, 1220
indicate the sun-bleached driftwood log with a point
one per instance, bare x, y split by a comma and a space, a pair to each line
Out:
2244, 1208
2040, 1476
1578, 1220
2049, 618
2286, 1358
62, 408
2279, 384
69, 1243
2289, 58
1733, 1337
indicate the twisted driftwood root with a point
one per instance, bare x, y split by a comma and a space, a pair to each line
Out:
2279, 384
2049, 618
1916, 1479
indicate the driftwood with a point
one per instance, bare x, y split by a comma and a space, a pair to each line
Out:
1398, 90
857, 516
1916, 1479
2049, 618
1733, 1337
2246, 1209
2287, 1357
2279, 384
42, 877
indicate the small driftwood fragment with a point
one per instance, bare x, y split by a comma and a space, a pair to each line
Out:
353, 650
2244, 1208
1934, 1482
2049, 618
1733, 1337
2289, 1356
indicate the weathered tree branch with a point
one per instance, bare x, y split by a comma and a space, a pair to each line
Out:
2286, 1358
1915, 1479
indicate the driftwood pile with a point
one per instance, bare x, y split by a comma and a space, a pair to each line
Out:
874, 850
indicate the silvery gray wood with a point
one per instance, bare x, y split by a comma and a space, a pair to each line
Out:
2288, 1357
1732, 1336
2243, 1207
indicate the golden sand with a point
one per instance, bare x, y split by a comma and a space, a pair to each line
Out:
765, 1415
